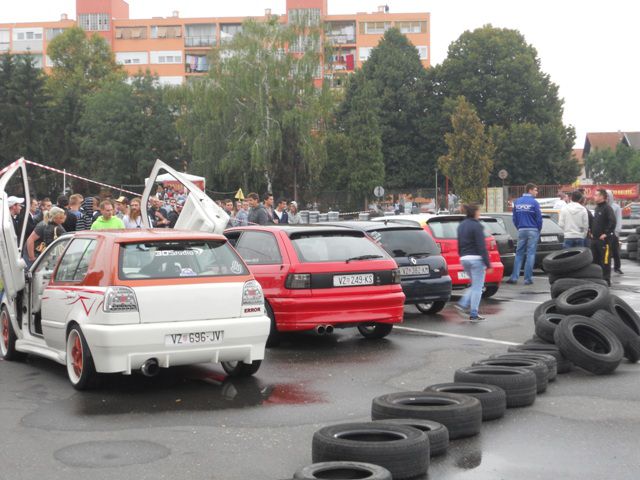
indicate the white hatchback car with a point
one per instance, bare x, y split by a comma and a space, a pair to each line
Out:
117, 301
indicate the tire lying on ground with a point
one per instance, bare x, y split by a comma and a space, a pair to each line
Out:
629, 339
583, 300
536, 366
589, 344
625, 313
545, 307
518, 383
493, 399
563, 284
366, 471
564, 364
549, 360
437, 432
461, 414
567, 260
546, 324
589, 272
402, 450
536, 340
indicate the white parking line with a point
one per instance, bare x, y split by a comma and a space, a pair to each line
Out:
454, 335
516, 300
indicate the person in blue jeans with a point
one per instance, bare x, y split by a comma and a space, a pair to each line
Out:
527, 218
474, 258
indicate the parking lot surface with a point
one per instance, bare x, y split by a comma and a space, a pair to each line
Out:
195, 423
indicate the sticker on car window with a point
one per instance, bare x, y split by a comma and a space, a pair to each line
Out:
377, 236
187, 272
236, 267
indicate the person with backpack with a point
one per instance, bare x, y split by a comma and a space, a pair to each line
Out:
45, 233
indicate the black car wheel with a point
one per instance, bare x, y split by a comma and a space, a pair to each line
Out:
430, 307
375, 330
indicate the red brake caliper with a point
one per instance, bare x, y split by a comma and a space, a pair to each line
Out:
76, 354
5, 330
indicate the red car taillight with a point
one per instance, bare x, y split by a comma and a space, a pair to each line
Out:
493, 245
443, 247
120, 299
395, 276
296, 281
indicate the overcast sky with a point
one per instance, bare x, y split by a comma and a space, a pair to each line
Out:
589, 48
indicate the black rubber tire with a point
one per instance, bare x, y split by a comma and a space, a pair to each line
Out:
402, 450
518, 383
632, 246
546, 324
564, 365
536, 340
492, 399
625, 313
545, 308
629, 339
567, 260
438, 434
240, 369
490, 290
563, 284
633, 237
85, 377
549, 360
8, 338
589, 344
536, 366
375, 330
461, 414
590, 271
274, 338
434, 307
583, 300
344, 469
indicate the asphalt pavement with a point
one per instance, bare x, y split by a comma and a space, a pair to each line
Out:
194, 423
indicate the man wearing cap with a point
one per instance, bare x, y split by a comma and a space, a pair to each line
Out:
15, 207
122, 207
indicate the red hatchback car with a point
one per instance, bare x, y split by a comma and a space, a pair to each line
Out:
320, 278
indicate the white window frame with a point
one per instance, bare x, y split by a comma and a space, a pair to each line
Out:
376, 31
423, 52
132, 58
166, 57
364, 53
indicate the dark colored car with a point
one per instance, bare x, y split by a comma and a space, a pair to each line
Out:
551, 236
506, 244
425, 280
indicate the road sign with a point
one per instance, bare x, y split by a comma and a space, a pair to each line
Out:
239, 195
502, 174
378, 191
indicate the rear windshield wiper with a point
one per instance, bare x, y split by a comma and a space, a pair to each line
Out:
419, 254
363, 257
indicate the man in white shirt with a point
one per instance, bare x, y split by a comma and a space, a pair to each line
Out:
574, 221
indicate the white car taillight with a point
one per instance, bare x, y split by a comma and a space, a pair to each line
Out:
252, 293
120, 299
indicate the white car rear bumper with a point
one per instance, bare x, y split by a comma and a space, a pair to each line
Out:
123, 348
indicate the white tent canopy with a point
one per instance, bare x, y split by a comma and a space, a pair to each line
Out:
167, 177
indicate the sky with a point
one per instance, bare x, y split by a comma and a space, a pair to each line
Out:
589, 48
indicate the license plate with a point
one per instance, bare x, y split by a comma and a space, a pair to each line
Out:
463, 276
194, 338
414, 270
353, 280
550, 238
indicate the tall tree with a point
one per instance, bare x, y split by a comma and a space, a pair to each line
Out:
469, 160
259, 118
500, 74
621, 165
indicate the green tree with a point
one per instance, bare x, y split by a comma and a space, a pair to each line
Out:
259, 118
125, 128
621, 165
81, 66
500, 74
397, 75
469, 160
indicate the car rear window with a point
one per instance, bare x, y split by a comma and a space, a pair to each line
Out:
405, 242
178, 259
335, 247
550, 227
494, 227
448, 229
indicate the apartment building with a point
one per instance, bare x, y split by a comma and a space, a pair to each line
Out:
177, 48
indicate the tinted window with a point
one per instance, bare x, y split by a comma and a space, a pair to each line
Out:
550, 227
259, 248
75, 262
334, 247
402, 243
447, 229
493, 227
178, 259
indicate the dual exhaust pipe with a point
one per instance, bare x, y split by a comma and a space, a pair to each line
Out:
324, 329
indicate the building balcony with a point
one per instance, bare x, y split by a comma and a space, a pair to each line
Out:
341, 39
205, 41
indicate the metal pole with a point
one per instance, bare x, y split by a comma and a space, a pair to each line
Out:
436, 197
64, 181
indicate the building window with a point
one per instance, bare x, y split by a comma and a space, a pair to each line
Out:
309, 17
364, 52
169, 57
94, 22
374, 28
423, 51
166, 31
200, 35
196, 64
132, 58
412, 27
5, 40
304, 43
131, 33
54, 32
340, 33
227, 32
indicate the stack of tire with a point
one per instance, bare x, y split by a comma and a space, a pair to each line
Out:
632, 245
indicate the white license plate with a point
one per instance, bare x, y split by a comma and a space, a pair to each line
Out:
414, 270
194, 338
550, 238
463, 276
353, 280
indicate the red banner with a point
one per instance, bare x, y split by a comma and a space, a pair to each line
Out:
621, 191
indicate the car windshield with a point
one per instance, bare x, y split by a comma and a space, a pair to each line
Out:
335, 247
405, 242
448, 229
177, 259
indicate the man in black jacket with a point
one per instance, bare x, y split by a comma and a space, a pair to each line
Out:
604, 225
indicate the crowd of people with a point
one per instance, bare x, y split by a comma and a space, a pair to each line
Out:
252, 211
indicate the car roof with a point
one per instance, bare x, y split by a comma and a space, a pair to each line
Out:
368, 226
509, 214
291, 230
148, 234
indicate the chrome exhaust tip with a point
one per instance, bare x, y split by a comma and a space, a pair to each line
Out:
320, 330
150, 368
328, 329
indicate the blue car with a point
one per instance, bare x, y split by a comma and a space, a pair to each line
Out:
425, 280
